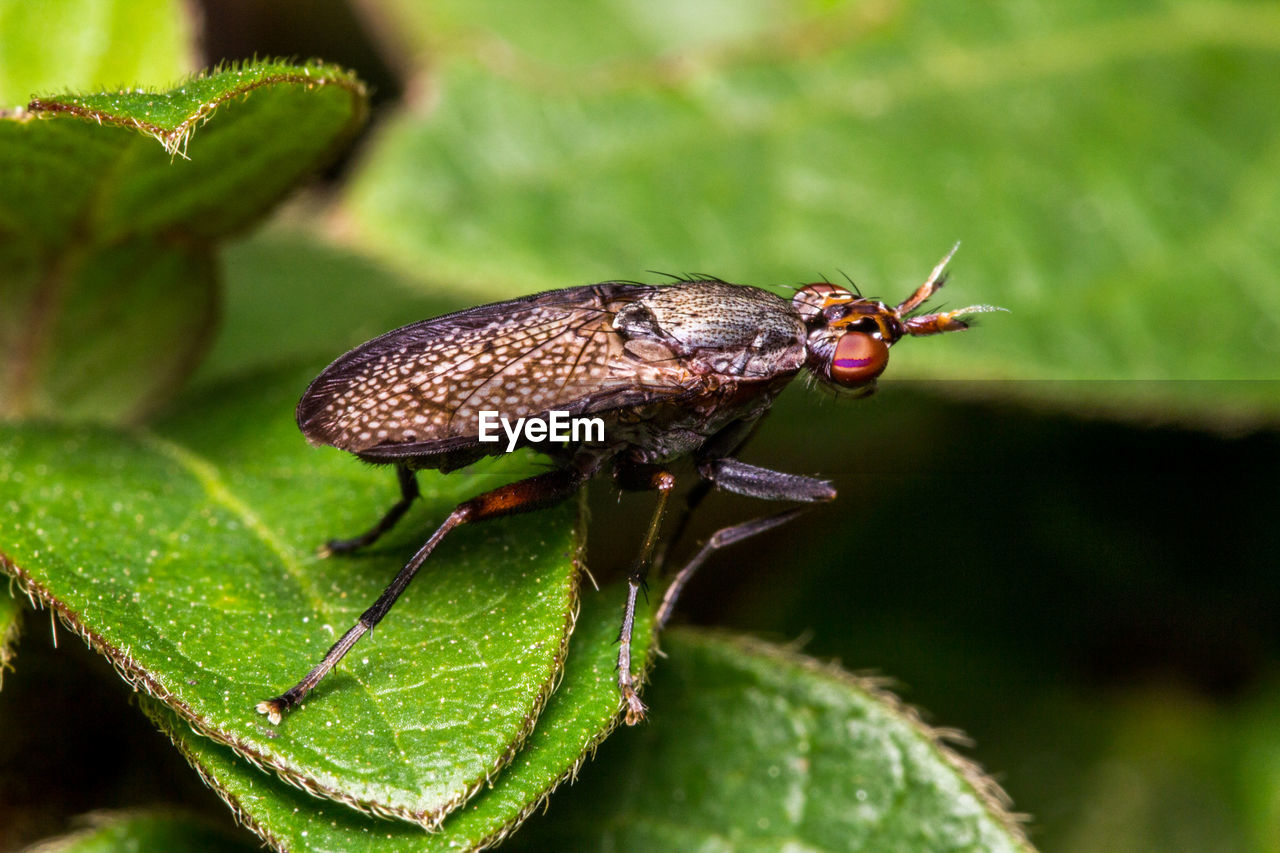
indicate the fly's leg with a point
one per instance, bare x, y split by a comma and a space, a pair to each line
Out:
727, 441
522, 496
766, 484
408, 493
729, 473
635, 476
719, 539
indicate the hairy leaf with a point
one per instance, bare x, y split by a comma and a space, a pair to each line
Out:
752, 747
108, 239
581, 712
187, 554
10, 613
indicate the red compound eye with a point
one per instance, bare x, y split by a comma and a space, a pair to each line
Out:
858, 359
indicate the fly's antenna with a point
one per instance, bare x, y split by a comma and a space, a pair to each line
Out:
936, 279
940, 321
946, 321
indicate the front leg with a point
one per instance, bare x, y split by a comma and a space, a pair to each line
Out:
721, 538
727, 441
754, 482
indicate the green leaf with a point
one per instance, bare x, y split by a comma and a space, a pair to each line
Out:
108, 239
752, 747
91, 44
1105, 166
1257, 776
104, 332
579, 715
1166, 779
145, 831
561, 43
188, 556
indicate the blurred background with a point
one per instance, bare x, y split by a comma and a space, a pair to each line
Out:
1056, 533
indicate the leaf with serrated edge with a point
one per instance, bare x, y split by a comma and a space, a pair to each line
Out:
188, 556
108, 240
752, 746
580, 714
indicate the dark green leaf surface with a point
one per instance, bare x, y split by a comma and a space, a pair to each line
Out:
146, 832
1106, 167
107, 238
751, 747
582, 710
106, 332
188, 555
91, 44
1165, 781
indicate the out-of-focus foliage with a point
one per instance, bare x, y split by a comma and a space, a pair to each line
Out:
1107, 167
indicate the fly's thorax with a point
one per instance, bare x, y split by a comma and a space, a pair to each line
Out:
716, 328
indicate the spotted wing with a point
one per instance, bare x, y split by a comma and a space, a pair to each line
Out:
420, 389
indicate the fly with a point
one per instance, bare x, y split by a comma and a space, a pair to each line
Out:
683, 369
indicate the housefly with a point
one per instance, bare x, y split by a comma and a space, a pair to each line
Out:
674, 370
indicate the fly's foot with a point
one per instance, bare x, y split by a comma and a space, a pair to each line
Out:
635, 708
277, 707
342, 546
274, 709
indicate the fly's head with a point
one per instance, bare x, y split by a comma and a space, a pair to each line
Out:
849, 335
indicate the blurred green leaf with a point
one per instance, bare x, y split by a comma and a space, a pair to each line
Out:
560, 43
752, 747
579, 714
188, 556
1258, 777
289, 295
91, 44
1165, 780
145, 832
1107, 168
110, 292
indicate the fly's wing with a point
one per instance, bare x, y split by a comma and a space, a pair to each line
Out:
419, 390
